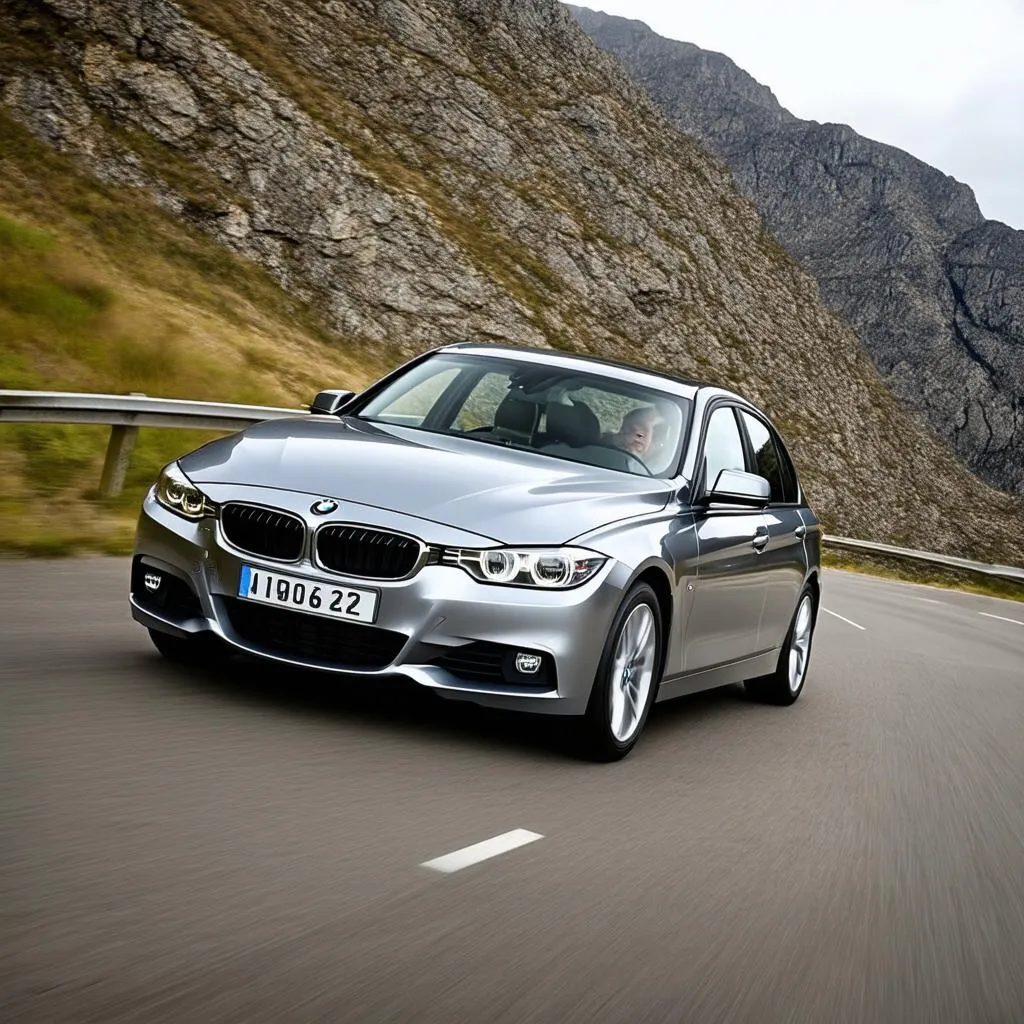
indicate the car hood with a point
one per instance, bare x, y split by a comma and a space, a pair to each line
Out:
510, 496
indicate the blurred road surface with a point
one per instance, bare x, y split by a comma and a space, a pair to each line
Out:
248, 844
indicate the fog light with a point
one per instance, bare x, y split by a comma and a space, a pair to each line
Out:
527, 663
152, 581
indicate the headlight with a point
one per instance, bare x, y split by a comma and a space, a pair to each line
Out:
175, 491
550, 568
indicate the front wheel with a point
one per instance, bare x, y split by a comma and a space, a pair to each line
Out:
195, 650
784, 685
627, 678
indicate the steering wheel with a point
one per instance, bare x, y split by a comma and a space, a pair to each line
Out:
634, 457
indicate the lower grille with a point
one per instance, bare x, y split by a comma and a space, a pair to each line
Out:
263, 531
313, 637
478, 662
360, 551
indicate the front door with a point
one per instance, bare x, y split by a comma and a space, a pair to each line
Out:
729, 590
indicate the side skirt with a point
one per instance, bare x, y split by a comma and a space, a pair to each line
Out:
720, 675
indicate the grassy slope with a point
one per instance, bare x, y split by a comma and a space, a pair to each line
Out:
101, 291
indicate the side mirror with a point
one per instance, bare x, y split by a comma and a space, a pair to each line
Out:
734, 487
328, 403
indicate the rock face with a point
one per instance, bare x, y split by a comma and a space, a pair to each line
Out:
440, 169
901, 251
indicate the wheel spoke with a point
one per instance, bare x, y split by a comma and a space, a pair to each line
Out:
619, 663
803, 621
633, 698
633, 627
618, 714
643, 634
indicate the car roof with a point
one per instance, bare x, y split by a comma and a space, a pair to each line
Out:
684, 386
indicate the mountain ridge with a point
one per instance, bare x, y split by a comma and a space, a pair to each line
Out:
900, 250
426, 172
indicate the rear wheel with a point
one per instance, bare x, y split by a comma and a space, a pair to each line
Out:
198, 649
627, 678
785, 684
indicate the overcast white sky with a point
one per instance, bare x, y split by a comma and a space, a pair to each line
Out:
942, 79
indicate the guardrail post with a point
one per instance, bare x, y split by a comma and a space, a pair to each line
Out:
119, 453
115, 465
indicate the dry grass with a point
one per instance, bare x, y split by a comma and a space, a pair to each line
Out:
101, 291
924, 573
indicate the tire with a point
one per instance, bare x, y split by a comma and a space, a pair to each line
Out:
195, 650
627, 679
786, 683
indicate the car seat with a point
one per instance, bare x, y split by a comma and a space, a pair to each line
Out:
574, 425
515, 419
574, 432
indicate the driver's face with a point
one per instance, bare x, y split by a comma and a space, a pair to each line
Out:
635, 435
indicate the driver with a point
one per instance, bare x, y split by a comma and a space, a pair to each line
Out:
637, 430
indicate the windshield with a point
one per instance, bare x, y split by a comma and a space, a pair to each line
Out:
573, 414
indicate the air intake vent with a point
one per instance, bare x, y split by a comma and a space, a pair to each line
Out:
313, 638
263, 531
371, 554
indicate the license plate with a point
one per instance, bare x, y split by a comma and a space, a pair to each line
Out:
301, 594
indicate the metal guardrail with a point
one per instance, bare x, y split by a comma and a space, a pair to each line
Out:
1006, 572
127, 413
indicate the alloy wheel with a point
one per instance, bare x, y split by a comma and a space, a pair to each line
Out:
632, 671
800, 645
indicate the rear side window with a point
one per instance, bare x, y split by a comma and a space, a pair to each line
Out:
766, 458
791, 488
723, 446
770, 460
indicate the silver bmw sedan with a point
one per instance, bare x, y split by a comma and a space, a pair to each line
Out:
520, 528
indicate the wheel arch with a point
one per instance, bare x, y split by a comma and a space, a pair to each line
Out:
658, 581
814, 583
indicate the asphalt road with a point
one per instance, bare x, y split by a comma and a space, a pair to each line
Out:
248, 845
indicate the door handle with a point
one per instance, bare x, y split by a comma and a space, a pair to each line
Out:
800, 531
759, 542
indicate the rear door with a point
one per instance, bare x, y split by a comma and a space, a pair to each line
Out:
783, 560
729, 591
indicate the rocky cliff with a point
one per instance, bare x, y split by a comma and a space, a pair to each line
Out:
427, 171
900, 250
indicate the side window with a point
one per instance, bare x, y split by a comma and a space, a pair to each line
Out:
723, 448
766, 458
790, 488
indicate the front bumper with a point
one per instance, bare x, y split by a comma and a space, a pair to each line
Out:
435, 627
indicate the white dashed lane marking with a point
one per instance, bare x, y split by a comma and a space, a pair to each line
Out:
1001, 618
849, 622
482, 851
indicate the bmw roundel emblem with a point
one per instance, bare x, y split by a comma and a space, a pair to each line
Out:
323, 507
